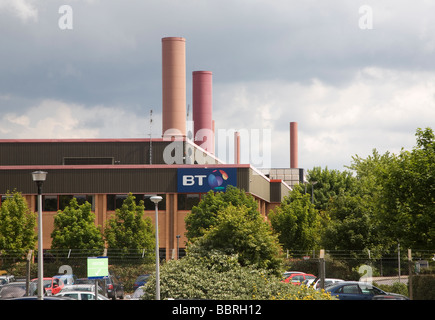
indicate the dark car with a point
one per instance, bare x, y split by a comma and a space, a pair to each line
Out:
114, 288
353, 290
140, 281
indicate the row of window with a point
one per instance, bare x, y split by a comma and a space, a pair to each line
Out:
114, 201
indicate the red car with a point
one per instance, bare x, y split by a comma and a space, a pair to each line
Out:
51, 285
297, 278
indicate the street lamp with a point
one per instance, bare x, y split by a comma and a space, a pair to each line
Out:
39, 178
178, 246
156, 200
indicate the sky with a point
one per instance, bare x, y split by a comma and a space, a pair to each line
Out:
356, 75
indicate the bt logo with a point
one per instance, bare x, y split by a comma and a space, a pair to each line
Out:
189, 180
200, 181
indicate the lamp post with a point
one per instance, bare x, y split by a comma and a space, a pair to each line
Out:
156, 200
39, 178
178, 246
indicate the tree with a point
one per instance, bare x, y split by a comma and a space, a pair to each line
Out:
296, 221
251, 239
17, 225
128, 231
353, 227
328, 184
74, 228
409, 194
205, 214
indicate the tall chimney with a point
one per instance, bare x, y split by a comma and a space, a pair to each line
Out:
294, 145
174, 86
202, 109
237, 147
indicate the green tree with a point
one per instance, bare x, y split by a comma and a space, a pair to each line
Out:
353, 226
328, 184
74, 228
296, 221
251, 239
17, 225
205, 214
129, 231
409, 194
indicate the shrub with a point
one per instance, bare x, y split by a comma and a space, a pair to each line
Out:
220, 276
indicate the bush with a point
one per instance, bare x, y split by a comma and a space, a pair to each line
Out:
220, 276
396, 287
423, 287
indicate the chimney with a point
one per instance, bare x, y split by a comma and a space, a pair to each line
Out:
237, 147
174, 86
294, 145
203, 130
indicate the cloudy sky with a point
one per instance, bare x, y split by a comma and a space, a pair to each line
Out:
355, 74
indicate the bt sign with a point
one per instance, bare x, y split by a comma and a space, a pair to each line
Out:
205, 179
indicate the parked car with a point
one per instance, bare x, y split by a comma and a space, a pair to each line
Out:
16, 290
114, 287
297, 278
82, 287
81, 295
137, 294
5, 279
316, 283
140, 281
286, 274
66, 278
354, 290
51, 285
44, 298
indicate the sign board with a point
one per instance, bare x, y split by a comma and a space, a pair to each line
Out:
201, 180
98, 267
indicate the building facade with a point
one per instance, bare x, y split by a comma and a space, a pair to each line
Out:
104, 171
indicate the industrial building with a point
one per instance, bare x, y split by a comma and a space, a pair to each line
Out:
180, 169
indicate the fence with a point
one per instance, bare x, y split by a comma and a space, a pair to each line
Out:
346, 265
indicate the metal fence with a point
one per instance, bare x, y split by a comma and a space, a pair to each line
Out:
346, 265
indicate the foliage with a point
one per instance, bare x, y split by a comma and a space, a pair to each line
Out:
206, 213
296, 221
220, 276
328, 185
17, 225
409, 194
396, 287
128, 229
74, 228
250, 238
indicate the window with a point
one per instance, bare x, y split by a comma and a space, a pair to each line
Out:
186, 201
149, 205
352, 289
72, 295
56, 203
88, 160
49, 203
87, 296
370, 290
115, 201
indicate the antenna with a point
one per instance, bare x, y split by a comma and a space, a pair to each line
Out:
151, 145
